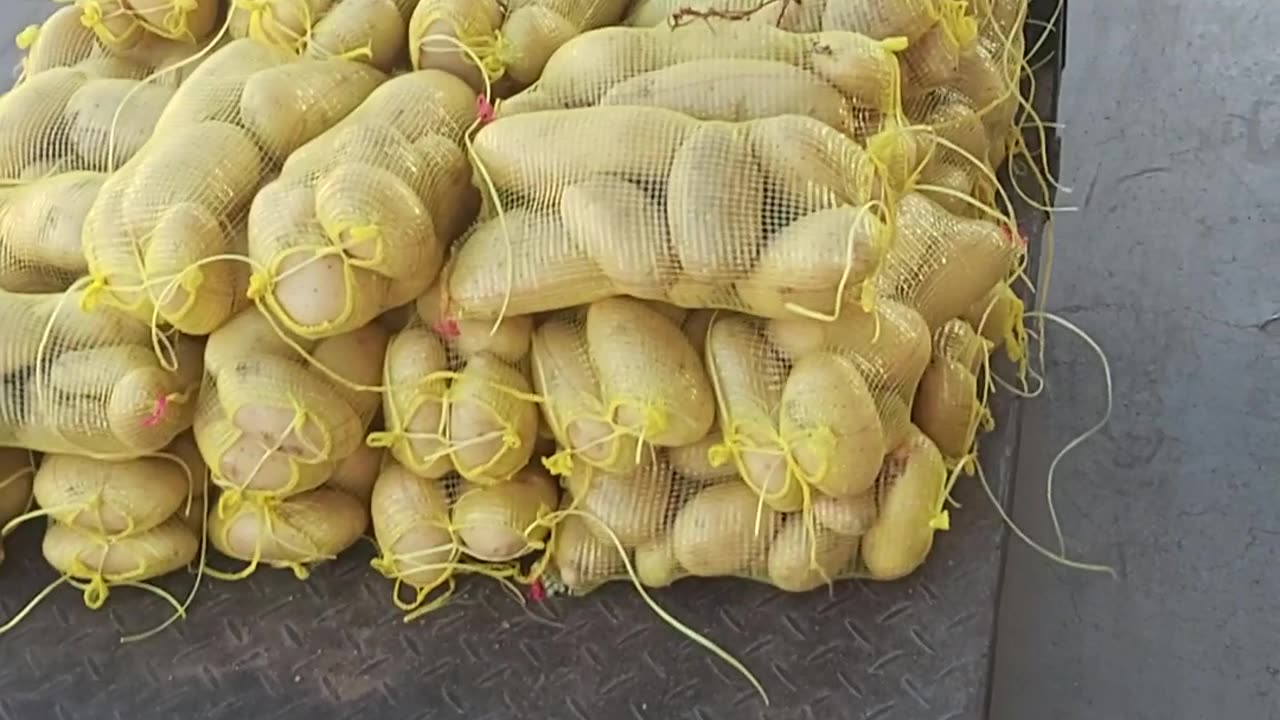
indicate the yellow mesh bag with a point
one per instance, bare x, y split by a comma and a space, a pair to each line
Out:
933, 59
293, 532
112, 498
40, 227
799, 17
122, 24
459, 399
64, 40
940, 264
443, 34
669, 526
948, 407
159, 233
585, 70
89, 383
429, 531
616, 377
775, 216
888, 18
100, 561
371, 31
359, 219
271, 424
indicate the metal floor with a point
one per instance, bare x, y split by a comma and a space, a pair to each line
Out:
1173, 151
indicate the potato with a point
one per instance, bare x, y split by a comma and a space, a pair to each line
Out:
491, 431
714, 195
110, 498
286, 106
222, 176
413, 402
648, 368
522, 152
355, 25
536, 29
468, 21
498, 523
891, 344
810, 167
735, 90
279, 23
881, 18
573, 405
17, 471
632, 506
942, 264
933, 59
623, 231
135, 558
749, 390
316, 294
93, 124
357, 474
582, 560
252, 464
909, 492
998, 316
411, 526
715, 532
800, 561
198, 297
656, 564
830, 420
510, 342
852, 515
31, 118
311, 527
117, 27
693, 461
948, 408
378, 220
954, 118
805, 263
172, 18
524, 264
586, 67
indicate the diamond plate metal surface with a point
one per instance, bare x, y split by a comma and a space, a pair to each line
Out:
334, 646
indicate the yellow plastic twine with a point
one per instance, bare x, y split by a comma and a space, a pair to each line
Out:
421, 393
234, 494
92, 17
266, 512
175, 25
882, 237
264, 28
490, 52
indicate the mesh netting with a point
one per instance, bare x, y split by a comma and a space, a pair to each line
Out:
17, 468
512, 41
284, 440
671, 526
430, 530
372, 31
271, 424
769, 216
89, 383
158, 235
65, 40
948, 407
840, 72
359, 219
457, 399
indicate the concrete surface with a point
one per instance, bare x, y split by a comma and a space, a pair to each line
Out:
1172, 145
